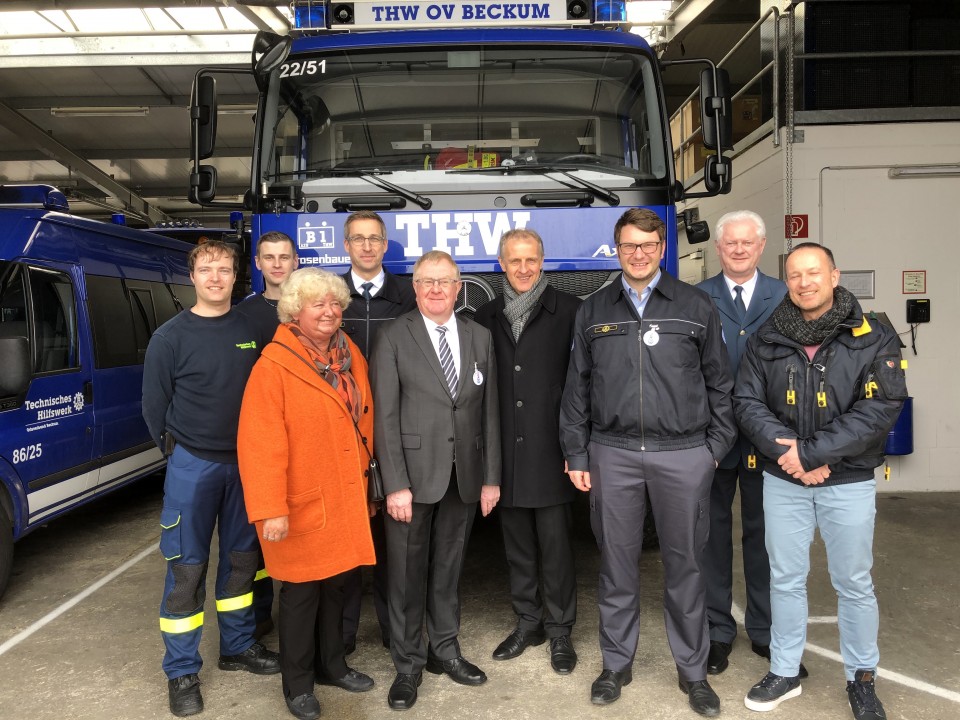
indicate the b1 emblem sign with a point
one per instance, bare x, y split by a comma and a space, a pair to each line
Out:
796, 226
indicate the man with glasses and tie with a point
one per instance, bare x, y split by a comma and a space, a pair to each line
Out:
647, 413
377, 296
745, 298
437, 437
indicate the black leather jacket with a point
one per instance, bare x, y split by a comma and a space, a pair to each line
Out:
844, 401
670, 392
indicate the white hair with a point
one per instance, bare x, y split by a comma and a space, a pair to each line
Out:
738, 216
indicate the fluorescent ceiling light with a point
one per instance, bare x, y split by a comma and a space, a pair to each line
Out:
926, 171
106, 111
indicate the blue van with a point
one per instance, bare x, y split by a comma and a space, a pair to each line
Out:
79, 300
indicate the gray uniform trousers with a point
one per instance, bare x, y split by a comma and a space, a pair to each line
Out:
678, 484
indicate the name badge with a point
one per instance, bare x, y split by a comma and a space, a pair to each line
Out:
477, 375
651, 337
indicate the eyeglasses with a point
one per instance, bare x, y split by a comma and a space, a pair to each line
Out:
360, 240
630, 248
430, 283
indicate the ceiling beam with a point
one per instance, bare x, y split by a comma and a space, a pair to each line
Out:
55, 150
151, 101
32, 154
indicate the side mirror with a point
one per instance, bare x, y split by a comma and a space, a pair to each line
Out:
203, 117
203, 184
717, 175
716, 115
15, 361
698, 232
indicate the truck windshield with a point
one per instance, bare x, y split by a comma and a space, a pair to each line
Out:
438, 108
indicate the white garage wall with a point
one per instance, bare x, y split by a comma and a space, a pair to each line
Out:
872, 222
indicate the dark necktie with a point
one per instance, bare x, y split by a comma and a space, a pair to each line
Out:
738, 302
366, 290
446, 362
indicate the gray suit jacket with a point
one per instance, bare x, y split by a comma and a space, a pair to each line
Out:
766, 296
419, 431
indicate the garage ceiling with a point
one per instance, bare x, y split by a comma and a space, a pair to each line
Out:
94, 94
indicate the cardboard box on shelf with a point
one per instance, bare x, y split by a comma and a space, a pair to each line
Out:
676, 135
691, 117
746, 115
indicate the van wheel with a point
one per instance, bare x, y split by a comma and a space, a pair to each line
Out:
6, 549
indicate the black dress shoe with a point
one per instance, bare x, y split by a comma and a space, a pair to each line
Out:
606, 688
185, 697
717, 659
563, 658
353, 681
403, 692
459, 670
256, 659
518, 641
703, 700
764, 652
304, 707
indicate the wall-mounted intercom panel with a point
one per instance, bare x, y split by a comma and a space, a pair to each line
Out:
918, 310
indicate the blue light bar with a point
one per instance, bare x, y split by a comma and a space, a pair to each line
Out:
310, 14
44, 196
610, 11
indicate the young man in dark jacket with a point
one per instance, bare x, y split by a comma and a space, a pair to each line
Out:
532, 328
646, 411
376, 297
818, 390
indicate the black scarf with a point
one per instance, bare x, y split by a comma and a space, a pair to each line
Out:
790, 323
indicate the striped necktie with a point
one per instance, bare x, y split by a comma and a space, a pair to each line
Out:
446, 362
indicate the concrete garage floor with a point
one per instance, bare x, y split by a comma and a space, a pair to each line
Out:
100, 657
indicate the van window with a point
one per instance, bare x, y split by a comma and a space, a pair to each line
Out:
114, 341
54, 320
48, 321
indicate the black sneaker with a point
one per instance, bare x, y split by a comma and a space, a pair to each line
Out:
304, 707
256, 659
771, 691
185, 697
863, 697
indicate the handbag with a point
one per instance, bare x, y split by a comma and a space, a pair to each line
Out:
375, 491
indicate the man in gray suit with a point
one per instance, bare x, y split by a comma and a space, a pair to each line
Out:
745, 298
437, 437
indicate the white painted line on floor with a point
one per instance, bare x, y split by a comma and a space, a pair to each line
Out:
881, 673
822, 620
60, 610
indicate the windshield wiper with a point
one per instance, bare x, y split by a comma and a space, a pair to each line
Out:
372, 176
610, 197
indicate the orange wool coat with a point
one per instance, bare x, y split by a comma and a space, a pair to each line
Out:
300, 456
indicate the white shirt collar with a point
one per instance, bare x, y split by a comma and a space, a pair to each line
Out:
377, 282
748, 287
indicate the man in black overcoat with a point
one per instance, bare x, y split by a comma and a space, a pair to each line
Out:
532, 325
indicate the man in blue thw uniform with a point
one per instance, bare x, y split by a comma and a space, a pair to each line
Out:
194, 374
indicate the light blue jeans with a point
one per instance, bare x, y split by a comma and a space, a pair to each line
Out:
845, 516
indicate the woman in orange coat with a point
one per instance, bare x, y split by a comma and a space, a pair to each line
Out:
307, 414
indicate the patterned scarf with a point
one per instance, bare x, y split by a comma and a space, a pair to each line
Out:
790, 322
334, 365
517, 308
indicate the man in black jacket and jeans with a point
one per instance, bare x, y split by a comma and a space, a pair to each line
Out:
376, 297
646, 411
818, 390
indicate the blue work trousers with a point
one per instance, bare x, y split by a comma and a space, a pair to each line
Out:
199, 495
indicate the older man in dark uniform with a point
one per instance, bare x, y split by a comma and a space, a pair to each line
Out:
532, 326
